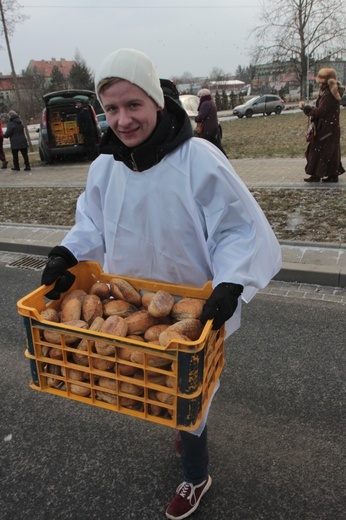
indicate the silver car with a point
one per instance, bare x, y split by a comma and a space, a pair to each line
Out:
102, 122
260, 105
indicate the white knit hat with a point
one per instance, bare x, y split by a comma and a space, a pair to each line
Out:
133, 66
204, 92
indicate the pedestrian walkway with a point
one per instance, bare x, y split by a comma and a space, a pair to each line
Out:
309, 263
265, 173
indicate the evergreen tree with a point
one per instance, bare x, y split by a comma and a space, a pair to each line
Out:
218, 101
57, 80
80, 75
224, 101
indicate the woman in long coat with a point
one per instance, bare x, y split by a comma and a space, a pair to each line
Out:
15, 132
323, 153
207, 114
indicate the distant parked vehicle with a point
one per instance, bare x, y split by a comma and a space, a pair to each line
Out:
260, 105
343, 100
59, 134
101, 118
190, 104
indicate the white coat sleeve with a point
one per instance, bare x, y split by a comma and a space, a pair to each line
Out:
242, 245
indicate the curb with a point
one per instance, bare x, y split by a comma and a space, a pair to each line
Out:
290, 272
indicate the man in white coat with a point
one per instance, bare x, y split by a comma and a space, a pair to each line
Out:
162, 205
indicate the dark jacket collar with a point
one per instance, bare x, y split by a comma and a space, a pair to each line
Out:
172, 129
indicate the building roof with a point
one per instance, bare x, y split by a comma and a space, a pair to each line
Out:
46, 67
7, 83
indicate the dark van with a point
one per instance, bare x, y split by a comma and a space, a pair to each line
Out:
59, 135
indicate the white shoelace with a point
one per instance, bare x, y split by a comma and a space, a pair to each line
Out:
183, 490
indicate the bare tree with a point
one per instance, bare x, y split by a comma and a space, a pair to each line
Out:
217, 74
11, 9
300, 31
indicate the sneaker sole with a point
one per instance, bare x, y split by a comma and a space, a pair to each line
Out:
207, 486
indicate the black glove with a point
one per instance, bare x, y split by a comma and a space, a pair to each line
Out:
221, 304
59, 260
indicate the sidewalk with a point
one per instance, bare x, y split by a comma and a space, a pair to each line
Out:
309, 263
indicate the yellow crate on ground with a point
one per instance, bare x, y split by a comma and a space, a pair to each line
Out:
169, 385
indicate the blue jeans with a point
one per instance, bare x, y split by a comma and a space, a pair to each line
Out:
194, 456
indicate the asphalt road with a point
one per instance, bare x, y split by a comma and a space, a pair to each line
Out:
276, 428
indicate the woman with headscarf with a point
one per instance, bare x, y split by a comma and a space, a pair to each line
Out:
323, 153
207, 115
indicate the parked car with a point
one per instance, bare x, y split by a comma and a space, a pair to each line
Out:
101, 118
59, 133
343, 100
260, 105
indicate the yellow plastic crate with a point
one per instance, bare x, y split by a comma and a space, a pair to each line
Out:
192, 367
70, 125
64, 140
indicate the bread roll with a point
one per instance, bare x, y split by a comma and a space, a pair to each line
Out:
50, 314
168, 336
72, 310
122, 290
139, 322
118, 308
153, 333
77, 293
188, 308
101, 289
116, 326
82, 359
146, 298
192, 328
92, 308
54, 370
161, 304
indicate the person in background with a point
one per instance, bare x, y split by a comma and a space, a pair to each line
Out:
162, 205
207, 116
323, 153
2, 153
18, 142
87, 129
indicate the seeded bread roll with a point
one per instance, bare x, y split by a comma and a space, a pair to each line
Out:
161, 304
187, 308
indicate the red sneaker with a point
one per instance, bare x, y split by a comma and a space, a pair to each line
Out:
178, 446
187, 499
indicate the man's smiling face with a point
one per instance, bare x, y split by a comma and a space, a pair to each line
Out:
130, 112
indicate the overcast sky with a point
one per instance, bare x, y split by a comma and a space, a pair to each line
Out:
179, 35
